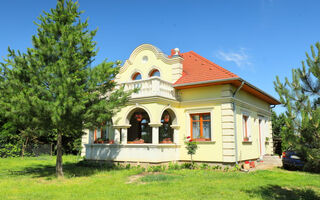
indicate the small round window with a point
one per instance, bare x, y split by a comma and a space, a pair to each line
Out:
136, 76
144, 59
154, 72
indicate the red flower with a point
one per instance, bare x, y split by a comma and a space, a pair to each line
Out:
190, 140
188, 137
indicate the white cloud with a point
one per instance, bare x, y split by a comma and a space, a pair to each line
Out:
239, 57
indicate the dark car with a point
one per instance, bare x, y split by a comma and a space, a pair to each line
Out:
291, 160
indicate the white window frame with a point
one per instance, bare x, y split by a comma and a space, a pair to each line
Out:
249, 125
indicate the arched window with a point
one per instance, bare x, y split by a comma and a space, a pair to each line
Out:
140, 131
137, 76
154, 72
165, 130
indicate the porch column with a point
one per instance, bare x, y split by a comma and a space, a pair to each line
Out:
155, 133
124, 135
121, 133
175, 133
117, 135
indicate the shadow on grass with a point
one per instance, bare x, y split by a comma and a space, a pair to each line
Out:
284, 193
80, 169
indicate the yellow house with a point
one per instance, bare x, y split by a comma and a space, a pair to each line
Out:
183, 95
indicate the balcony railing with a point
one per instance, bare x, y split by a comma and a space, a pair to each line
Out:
151, 87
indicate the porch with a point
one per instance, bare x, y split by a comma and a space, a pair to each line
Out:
153, 153
138, 140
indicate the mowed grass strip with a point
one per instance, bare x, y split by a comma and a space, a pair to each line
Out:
34, 178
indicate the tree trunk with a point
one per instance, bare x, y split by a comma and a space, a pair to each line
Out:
59, 171
24, 145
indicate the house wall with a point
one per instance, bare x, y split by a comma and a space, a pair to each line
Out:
256, 109
216, 100
207, 151
170, 70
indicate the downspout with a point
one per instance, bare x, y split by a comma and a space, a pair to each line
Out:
235, 120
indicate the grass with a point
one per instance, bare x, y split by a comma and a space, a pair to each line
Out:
33, 178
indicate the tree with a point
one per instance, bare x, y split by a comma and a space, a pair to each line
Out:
301, 97
278, 123
53, 84
191, 147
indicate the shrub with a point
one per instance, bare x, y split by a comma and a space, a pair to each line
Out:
187, 166
204, 166
191, 147
158, 168
10, 150
173, 166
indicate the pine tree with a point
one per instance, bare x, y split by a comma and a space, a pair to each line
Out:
52, 87
301, 97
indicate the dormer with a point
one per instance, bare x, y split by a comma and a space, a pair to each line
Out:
147, 61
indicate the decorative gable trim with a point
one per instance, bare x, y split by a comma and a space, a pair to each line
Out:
157, 52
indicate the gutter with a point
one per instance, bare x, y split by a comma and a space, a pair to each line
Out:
224, 80
205, 82
235, 120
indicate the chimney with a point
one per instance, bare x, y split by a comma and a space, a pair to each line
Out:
175, 52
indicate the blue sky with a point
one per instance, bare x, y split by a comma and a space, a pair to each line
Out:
255, 39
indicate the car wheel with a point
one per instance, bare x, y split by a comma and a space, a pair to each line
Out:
285, 166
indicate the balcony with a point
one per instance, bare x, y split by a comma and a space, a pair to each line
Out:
151, 87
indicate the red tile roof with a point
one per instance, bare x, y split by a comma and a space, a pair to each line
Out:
199, 69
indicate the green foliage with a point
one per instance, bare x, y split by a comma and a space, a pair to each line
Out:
236, 168
187, 165
216, 167
173, 166
10, 150
301, 98
128, 166
278, 122
204, 166
157, 168
191, 147
51, 89
33, 178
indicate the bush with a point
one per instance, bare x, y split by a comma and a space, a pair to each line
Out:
204, 166
173, 166
10, 150
216, 167
313, 161
187, 166
155, 168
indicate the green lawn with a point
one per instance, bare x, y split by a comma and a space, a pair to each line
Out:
33, 178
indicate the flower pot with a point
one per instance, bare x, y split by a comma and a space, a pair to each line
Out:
139, 117
246, 165
201, 139
166, 118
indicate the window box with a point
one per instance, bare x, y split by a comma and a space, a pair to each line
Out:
141, 141
201, 139
166, 141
